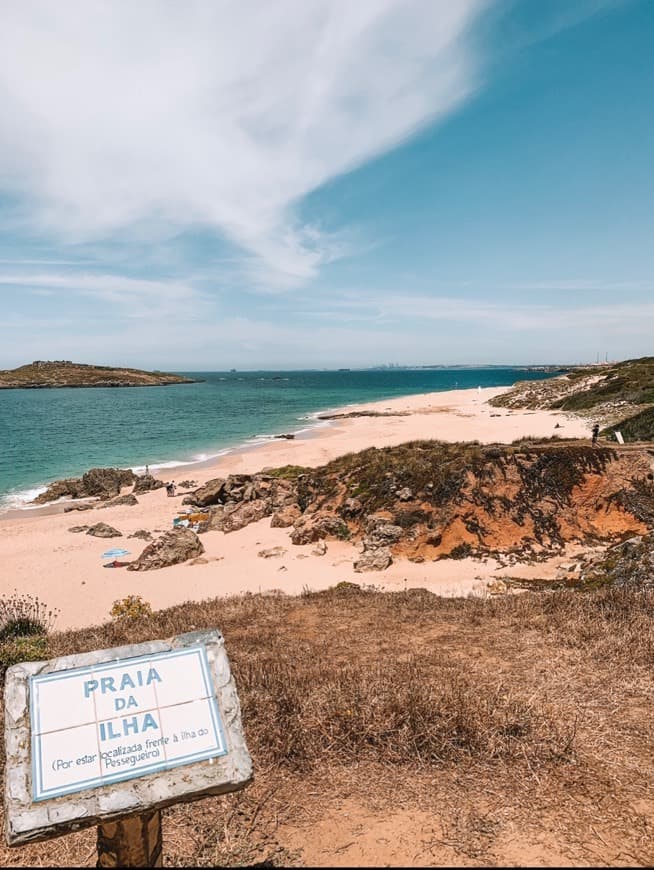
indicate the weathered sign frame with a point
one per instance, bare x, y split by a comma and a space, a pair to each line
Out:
27, 820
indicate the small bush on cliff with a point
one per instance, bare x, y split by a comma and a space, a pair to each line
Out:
131, 607
22, 649
24, 615
25, 621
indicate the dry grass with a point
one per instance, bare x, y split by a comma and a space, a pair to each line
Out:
530, 710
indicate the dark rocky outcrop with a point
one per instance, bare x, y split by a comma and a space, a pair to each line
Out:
313, 527
129, 499
142, 534
82, 506
102, 530
105, 483
377, 559
381, 533
177, 545
78, 529
285, 517
208, 494
244, 514
146, 483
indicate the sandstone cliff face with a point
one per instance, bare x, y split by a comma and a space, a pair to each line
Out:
428, 500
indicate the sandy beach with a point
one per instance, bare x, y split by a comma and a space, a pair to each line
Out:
65, 570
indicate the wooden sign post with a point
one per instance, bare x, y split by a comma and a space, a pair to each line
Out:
109, 738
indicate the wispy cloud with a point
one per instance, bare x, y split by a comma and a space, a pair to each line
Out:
125, 296
224, 114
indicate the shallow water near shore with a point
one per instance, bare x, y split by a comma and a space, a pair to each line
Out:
50, 434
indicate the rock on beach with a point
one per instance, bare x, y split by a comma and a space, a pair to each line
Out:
177, 545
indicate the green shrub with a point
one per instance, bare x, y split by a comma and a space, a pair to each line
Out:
23, 649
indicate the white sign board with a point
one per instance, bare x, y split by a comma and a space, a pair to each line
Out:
115, 721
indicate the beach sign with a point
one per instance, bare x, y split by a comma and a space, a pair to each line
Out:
115, 734
107, 723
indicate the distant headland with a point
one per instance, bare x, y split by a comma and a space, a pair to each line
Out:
48, 374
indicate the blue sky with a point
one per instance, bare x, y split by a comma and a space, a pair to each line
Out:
316, 183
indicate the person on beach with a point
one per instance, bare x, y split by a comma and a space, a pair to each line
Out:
595, 431
147, 471
173, 488
169, 489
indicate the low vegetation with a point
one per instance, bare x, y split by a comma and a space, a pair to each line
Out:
618, 396
43, 374
526, 712
130, 607
25, 621
631, 381
639, 427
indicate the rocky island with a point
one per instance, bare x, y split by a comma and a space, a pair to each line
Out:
47, 374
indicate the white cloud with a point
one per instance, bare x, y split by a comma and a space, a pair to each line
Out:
116, 115
118, 294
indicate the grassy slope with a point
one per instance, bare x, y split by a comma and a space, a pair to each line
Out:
640, 427
630, 381
455, 723
57, 374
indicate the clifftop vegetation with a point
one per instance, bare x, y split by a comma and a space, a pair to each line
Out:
618, 396
44, 374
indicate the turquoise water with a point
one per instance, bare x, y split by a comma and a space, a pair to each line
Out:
49, 434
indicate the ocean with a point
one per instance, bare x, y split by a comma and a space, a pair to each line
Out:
49, 434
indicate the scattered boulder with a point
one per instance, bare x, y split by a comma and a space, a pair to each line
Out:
146, 483
320, 549
211, 493
381, 533
143, 534
272, 553
78, 528
374, 560
287, 435
309, 529
82, 506
285, 516
187, 484
405, 494
128, 499
174, 546
351, 508
102, 530
244, 514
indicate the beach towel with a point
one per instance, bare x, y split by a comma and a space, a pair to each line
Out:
111, 554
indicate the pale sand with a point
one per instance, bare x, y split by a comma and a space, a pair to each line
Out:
39, 555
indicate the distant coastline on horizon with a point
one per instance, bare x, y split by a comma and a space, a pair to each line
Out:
132, 428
